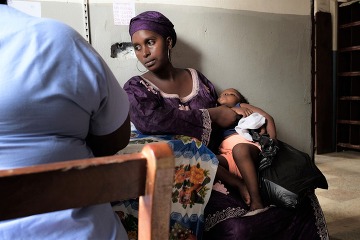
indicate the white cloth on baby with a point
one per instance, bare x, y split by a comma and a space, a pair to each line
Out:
253, 121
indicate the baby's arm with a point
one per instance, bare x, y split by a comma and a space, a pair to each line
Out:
242, 111
270, 123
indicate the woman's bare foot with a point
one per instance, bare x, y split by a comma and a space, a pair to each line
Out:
244, 192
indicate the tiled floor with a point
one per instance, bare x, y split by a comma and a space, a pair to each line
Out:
341, 202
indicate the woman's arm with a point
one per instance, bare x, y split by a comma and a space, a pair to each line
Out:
223, 116
153, 114
110, 144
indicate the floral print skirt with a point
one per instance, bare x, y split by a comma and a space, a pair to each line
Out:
195, 169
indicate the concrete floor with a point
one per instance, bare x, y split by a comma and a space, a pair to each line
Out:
341, 202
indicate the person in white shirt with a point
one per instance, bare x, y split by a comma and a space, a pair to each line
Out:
59, 101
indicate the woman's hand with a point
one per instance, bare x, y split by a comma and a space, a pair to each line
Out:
223, 116
242, 111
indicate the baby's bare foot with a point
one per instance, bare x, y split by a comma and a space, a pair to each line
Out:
256, 205
254, 212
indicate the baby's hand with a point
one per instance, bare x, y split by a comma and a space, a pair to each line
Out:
262, 130
242, 111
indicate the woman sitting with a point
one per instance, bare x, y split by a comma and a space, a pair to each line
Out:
174, 101
165, 99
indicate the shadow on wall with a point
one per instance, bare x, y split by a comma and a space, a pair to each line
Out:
185, 56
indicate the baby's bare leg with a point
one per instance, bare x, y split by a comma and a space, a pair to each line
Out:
245, 156
234, 181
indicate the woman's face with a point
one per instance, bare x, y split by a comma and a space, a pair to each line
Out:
151, 49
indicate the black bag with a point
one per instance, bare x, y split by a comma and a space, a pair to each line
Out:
286, 175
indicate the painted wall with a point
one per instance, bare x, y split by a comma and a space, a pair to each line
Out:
262, 48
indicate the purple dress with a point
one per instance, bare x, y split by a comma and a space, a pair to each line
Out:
155, 112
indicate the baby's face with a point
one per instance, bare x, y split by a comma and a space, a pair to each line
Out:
228, 98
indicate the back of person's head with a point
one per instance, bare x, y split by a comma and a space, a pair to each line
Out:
241, 97
153, 21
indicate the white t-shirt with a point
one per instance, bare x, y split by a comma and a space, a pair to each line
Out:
54, 90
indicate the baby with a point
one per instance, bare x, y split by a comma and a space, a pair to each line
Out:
240, 152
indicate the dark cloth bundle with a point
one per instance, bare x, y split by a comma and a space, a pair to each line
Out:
286, 174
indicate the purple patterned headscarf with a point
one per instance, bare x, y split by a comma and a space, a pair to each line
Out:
153, 21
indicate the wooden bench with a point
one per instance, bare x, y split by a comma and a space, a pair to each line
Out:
79, 183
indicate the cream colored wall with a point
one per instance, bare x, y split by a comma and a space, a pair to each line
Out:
298, 7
